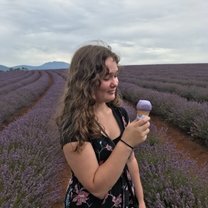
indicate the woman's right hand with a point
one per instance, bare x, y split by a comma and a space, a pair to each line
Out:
136, 131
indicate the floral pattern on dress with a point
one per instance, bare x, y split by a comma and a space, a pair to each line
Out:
117, 201
82, 196
118, 197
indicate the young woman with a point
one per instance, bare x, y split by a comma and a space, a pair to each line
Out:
96, 135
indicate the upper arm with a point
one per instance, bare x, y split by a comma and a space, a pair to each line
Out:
83, 163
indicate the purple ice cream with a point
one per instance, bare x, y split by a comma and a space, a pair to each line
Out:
143, 108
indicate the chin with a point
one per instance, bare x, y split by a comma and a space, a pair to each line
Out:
110, 98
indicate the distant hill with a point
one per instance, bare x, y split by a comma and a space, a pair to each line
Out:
46, 66
4, 68
53, 65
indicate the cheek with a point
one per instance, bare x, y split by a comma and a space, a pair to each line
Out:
103, 85
98, 91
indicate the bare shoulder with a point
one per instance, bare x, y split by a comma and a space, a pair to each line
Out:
70, 153
80, 161
70, 147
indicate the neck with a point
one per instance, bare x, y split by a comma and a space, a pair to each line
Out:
101, 108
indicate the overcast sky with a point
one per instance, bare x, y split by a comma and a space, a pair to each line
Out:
140, 31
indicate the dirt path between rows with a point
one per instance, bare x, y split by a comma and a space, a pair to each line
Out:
183, 142
63, 181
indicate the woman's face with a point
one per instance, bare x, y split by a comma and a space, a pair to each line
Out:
106, 92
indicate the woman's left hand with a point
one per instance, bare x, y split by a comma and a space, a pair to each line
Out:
142, 204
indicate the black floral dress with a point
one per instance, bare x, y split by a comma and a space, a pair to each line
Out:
122, 193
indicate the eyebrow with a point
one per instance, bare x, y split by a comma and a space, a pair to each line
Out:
112, 72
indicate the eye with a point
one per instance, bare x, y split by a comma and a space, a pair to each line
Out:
107, 77
116, 74
110, 76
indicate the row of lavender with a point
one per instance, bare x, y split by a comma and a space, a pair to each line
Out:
16, 77
168, 79
18, 83
199, 94
62, 73
10, 75
175, 71
22, 97
190, 116
30, 155
169, 179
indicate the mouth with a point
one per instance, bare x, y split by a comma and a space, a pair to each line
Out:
112, 91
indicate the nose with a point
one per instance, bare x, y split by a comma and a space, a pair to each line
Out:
114, 82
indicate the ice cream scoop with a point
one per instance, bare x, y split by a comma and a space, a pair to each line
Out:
143, 108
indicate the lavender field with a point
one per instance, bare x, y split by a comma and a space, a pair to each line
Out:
30, 154
181, 101
179, 94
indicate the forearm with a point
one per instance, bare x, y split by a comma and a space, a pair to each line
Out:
135, 176
112, 169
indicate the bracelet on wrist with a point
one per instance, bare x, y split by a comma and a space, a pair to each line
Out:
127, 144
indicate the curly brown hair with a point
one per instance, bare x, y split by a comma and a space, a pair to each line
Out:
77, 121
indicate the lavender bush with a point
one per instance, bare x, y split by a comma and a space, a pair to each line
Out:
186, 82
62, 73
170, 179
199, 94
31, 157
191, 81
22, 97
12, 75
197, 72
15, 84
188, 116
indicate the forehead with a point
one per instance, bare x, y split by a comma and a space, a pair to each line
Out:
111, 65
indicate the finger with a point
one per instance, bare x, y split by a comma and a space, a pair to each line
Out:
144, 138
145, 132
144, 124
143, 120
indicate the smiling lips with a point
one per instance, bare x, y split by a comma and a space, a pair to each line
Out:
112, 91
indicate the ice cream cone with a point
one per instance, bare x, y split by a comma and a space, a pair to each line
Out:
143, 108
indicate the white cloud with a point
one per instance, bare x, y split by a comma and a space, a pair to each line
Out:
171, 31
